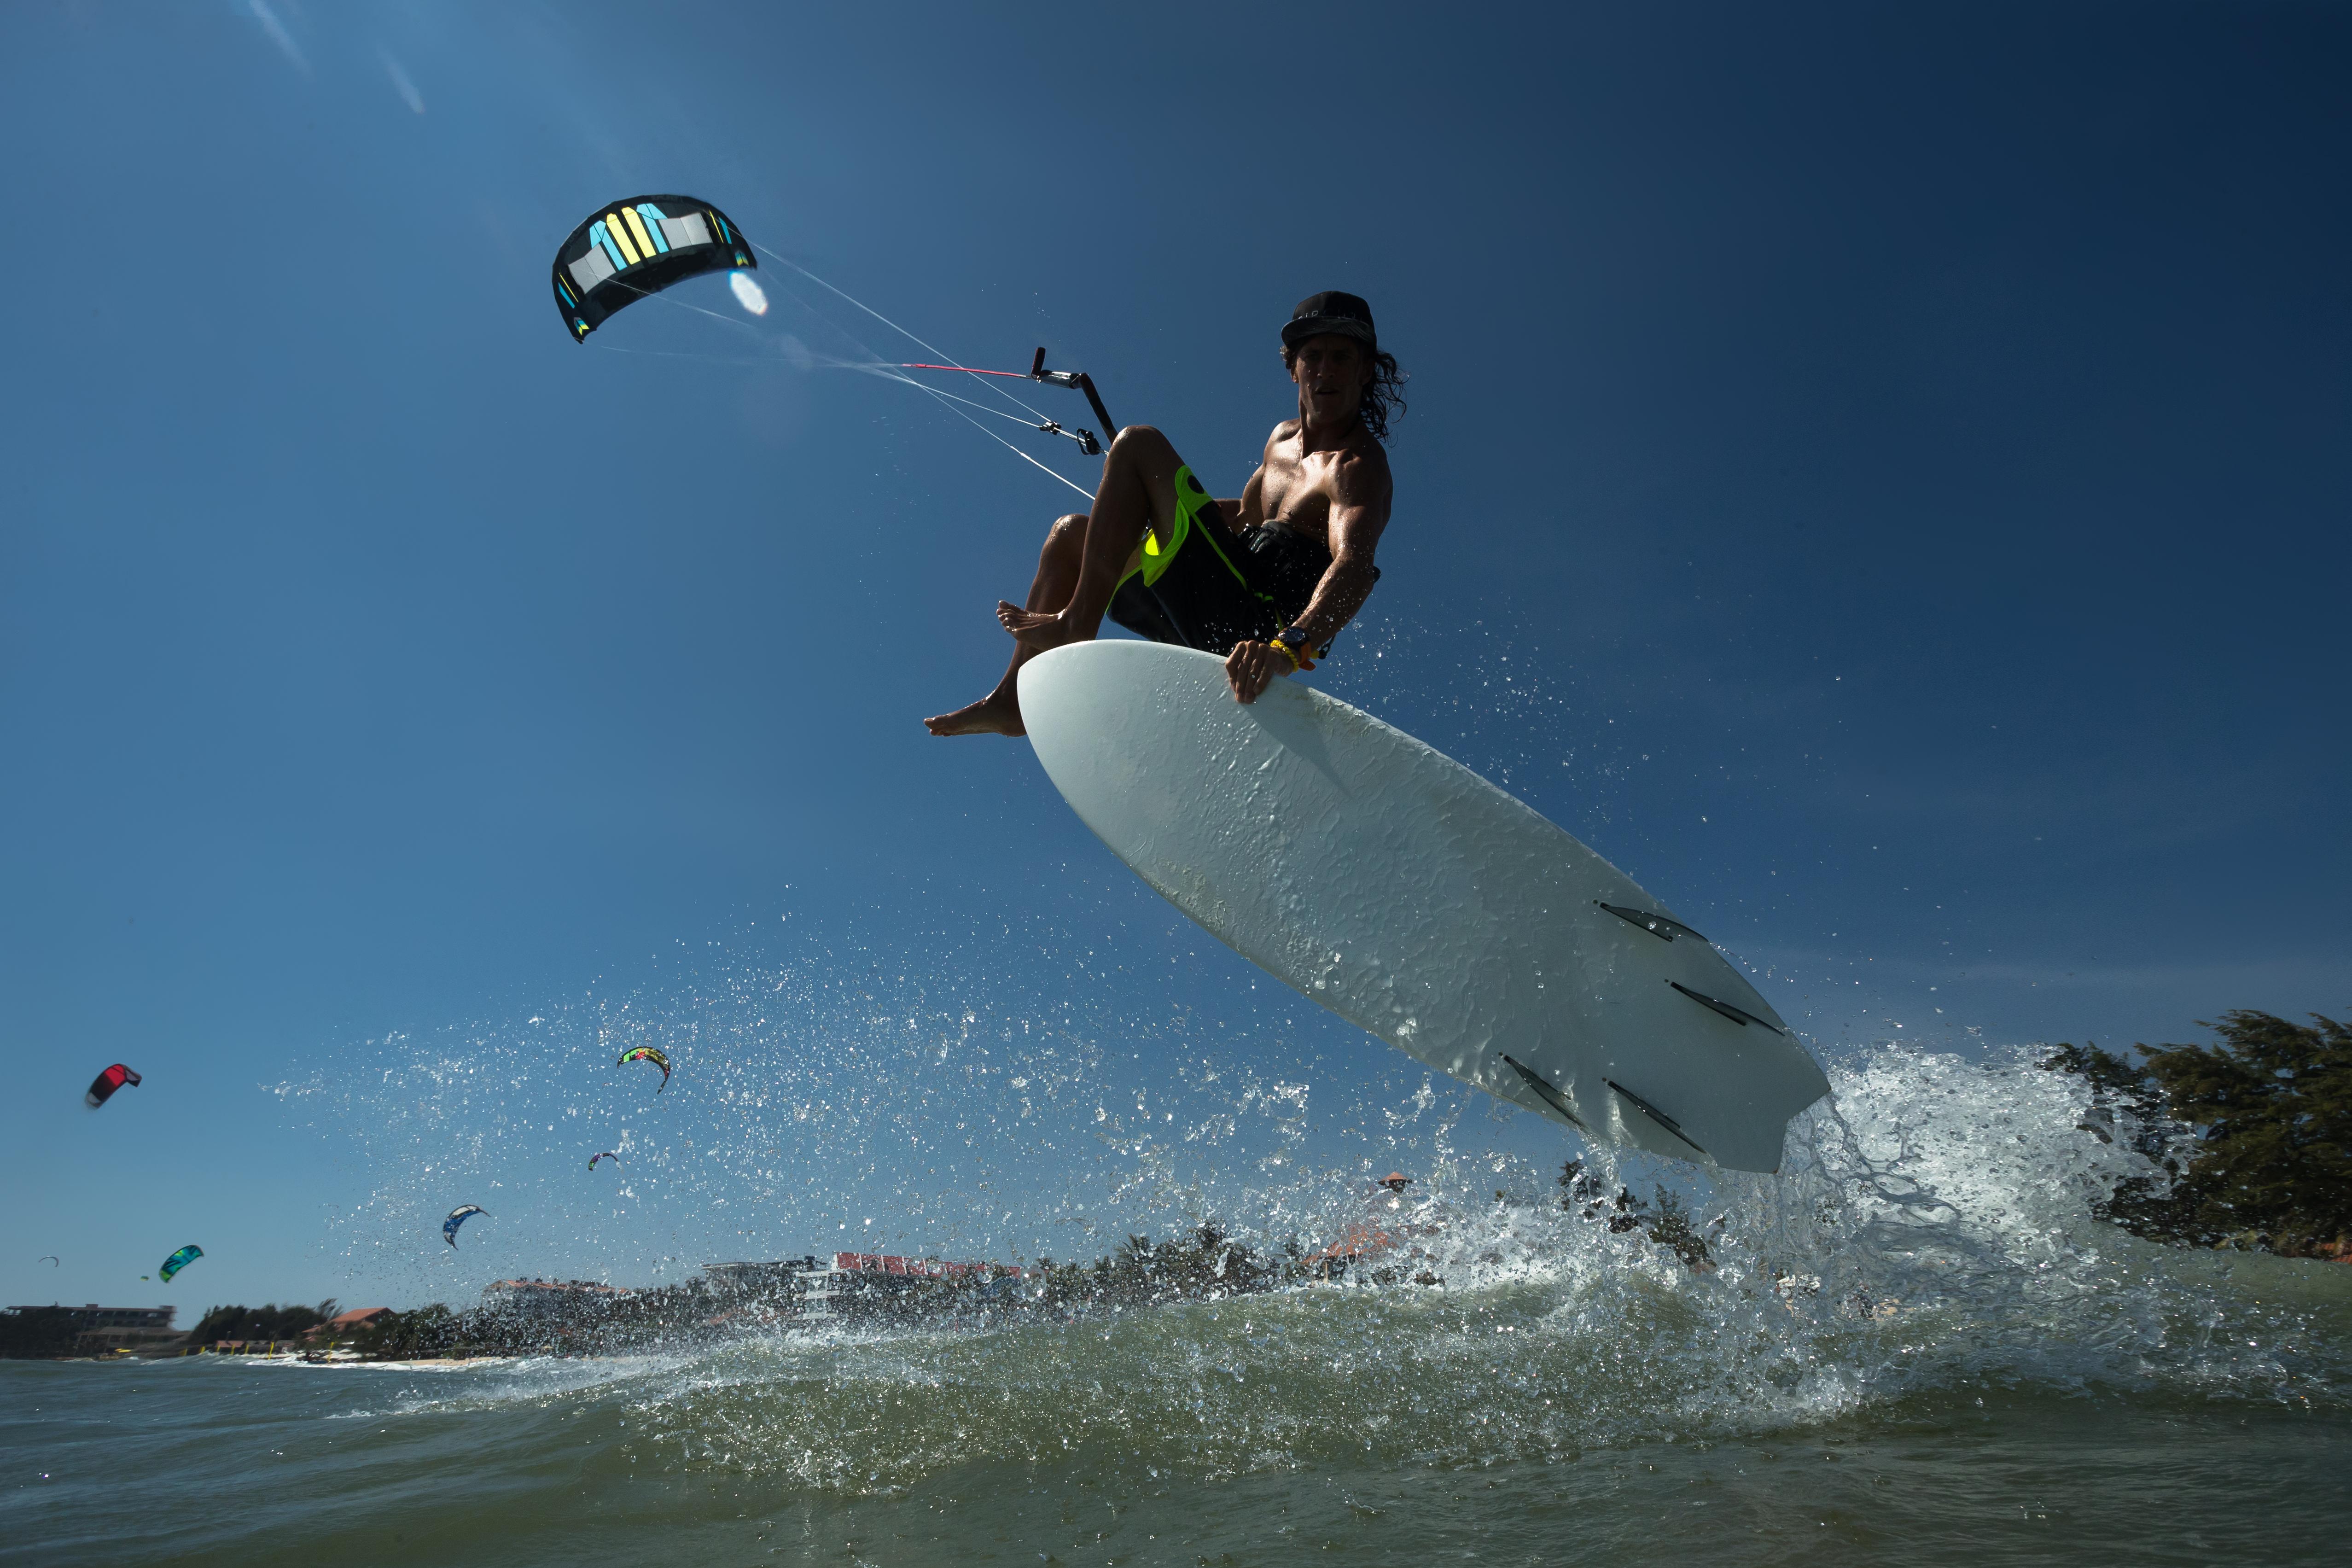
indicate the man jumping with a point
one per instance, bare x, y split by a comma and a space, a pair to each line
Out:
1265, 580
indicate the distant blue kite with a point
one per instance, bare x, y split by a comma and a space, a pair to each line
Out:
457, 1217
179, 1260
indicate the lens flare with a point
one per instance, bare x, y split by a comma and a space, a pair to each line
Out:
748, 292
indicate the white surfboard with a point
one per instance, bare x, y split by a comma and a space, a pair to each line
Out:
1393, 886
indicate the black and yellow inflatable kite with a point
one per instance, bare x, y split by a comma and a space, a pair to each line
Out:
637, 247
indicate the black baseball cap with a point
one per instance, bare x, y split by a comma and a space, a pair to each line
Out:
1331, 312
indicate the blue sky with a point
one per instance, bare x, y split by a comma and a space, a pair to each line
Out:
1876, 474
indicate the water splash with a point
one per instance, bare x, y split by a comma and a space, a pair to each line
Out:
1931, 1233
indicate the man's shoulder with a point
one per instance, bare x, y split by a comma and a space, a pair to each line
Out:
1364, 458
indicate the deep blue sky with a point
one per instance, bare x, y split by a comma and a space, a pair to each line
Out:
1878, 474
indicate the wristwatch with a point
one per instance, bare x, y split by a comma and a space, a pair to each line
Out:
1297, 645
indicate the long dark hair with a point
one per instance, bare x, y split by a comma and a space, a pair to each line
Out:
1383, 394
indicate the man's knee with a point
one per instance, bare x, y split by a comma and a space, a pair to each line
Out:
1067, 534
1138, 441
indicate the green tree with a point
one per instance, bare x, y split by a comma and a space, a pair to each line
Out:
1672, 1228
2255, 1133
405, 1336
2130, 1107
2274, 1105
1668, 1224
270, 1321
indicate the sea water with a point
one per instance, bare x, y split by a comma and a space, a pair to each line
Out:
1918, 1346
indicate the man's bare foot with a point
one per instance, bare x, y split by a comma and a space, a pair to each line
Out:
1036, 629
998, 713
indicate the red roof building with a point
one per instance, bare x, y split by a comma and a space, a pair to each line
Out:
342, 1325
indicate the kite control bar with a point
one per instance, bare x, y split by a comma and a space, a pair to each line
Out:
1084, 382
1037, 371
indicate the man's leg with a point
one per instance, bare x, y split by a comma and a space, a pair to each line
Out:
1138, 492
999, 712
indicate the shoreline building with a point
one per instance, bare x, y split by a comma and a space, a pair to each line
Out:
549, 1296
845, 1284
343, 1325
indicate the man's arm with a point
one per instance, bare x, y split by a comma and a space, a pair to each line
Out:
1359, 513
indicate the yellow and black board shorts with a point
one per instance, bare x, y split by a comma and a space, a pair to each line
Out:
1206, 587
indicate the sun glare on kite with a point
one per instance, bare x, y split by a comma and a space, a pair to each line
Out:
748, 292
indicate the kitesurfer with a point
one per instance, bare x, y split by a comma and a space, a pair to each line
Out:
1265, 580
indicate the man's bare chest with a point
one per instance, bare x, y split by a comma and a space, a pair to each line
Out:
1299, 498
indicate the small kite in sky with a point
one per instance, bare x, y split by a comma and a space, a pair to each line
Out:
102, 1087
646, 1053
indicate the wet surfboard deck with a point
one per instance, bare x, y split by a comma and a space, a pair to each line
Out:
1392, 885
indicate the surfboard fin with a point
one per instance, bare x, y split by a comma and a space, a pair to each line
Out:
1654, 1115
1549, 1095
1738, 1016
1663, 926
